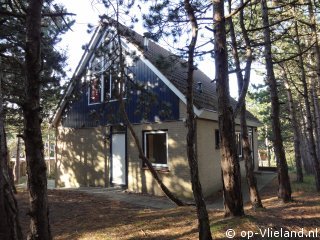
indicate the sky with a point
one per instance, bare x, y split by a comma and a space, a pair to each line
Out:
87, 13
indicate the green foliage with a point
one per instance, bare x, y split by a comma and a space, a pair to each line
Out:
308, 184
12, 52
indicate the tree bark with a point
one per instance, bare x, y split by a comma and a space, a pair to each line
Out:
306, 158
316, 116
203, 218
243, 82
36, 166
316, 163
17, 164
231, 177
295, 128
9, 224
309, 120
284, 191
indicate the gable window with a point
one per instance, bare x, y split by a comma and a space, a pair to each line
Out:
95, 90
156, 147
111, 87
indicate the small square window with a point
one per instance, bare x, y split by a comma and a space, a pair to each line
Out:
156, 147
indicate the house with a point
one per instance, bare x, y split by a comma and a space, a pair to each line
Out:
94, 147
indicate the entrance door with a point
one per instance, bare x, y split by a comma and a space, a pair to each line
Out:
119, 159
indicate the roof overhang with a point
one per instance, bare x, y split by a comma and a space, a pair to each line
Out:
213, 115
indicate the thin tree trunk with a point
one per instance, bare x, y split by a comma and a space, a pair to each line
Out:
307, 162
36, 166
310, 124
295, 128
317, 116
313, 21
284, 191
203, 218
231, 177
142, 156
243, 82
9, 223
17, 165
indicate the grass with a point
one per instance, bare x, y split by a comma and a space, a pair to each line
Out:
308, 184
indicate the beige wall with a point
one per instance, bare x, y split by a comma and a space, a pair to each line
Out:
209, 156
81, 157
177, 178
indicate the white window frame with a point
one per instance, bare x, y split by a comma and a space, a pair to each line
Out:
101, 78
160, 165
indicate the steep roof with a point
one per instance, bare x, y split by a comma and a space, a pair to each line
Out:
176, 72
171, 66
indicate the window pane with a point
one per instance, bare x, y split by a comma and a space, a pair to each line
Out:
95, 91
106, 77
156, 147
239, 144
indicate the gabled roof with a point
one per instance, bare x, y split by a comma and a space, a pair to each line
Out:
172, 68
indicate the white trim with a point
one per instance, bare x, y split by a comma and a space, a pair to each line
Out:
145, 133
164, 79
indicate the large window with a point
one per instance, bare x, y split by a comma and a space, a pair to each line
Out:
156, 147
104, 88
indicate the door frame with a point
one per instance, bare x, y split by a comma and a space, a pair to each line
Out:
113, 131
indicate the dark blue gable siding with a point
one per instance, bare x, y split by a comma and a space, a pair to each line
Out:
149, 102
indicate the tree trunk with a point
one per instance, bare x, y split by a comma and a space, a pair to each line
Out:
9, 223
231, 178
36, 166
17, 165
309, 120
306, 158
142, 156
316, 163
284, 191
203, 218
317, 116
295, 128
243, 82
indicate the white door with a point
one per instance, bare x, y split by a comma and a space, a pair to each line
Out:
119, 158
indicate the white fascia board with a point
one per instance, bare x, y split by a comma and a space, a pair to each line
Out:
82, 64
164, 79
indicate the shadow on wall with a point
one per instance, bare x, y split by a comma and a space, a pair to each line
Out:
176, 177
81, 157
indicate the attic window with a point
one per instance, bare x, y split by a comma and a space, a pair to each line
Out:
95, 90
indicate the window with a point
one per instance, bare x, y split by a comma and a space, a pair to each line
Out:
95, 90
217, 138
111, 87
156, 147
239, 143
